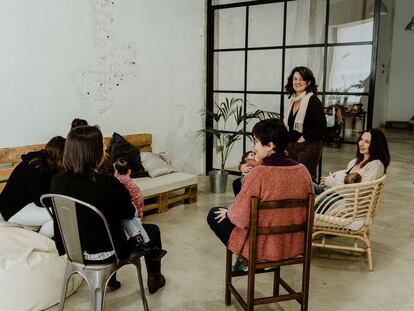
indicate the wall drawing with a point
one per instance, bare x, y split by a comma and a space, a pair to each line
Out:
116, 61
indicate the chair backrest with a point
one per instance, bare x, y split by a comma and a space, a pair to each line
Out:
343, 205
64, 212
307, 204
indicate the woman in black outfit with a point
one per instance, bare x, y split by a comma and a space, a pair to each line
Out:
305, 119
84, 151
20, 199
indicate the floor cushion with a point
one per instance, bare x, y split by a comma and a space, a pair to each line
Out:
31, 271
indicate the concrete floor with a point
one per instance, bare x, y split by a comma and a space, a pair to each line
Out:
194, 265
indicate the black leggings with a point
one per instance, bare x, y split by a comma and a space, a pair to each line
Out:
223, 229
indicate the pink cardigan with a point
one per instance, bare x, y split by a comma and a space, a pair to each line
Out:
270, 183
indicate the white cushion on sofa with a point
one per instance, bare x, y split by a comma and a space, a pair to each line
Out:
154, 164
152, 186
31, 271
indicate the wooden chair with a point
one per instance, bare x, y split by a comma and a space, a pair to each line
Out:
255, 267
347, 211
96, 275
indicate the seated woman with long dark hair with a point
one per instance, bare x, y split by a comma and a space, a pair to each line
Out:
279, 177
20, 199
84, 152
371, 161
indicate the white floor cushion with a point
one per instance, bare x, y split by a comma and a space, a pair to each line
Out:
31, 271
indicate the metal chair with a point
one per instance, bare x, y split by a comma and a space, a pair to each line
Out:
255, 267
96, 275
347, 211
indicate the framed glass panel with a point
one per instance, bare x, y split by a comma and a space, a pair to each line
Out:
264, 70
266, 25
309, 57
229, 26
263, 102
229, 71
349, 68
350, 21
305, 22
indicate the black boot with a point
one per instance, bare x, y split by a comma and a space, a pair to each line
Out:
155, 281
113, 283
140, 245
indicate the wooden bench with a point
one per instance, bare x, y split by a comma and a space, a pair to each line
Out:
183, 189
400, 124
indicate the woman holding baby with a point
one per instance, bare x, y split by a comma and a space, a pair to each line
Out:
371, 161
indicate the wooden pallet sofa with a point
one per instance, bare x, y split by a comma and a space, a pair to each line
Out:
159, 192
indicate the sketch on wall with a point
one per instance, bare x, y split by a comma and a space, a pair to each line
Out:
116, 61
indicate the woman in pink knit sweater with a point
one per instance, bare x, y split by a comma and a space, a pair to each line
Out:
278, 178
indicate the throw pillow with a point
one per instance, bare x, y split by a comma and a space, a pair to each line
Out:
120, 147
155, 165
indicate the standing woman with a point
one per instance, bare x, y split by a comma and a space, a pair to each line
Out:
84, 152
305, 119
20, 199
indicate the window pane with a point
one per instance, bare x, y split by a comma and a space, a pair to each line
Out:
349, 68
350, 21
263, 102
229, 71
309, 57
229, 28
305, 23
230, 124
264, 70
266, 25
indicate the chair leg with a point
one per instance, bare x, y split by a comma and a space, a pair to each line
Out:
97, 283
227, 294
68, 274
305, 286
369, 254
276, 282
141, 284
250, 287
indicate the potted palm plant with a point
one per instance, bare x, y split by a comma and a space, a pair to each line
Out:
230, 109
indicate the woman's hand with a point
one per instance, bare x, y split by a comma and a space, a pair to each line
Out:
221, 214
244, 168
301, 139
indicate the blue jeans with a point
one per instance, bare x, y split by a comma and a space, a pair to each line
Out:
134, 227
318, 189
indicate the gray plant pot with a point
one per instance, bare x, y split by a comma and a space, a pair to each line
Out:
218, 181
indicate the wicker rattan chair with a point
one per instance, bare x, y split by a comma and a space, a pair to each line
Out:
347, 211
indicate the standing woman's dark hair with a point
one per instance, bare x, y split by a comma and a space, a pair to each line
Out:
378, 149
307, 75
50, 159
272, 130
83, 151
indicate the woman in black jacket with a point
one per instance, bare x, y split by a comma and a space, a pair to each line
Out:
305, 119
20, 199
84, 152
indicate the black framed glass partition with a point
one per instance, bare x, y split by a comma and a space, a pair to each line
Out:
252, 46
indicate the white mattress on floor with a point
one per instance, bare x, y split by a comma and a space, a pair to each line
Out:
152, 186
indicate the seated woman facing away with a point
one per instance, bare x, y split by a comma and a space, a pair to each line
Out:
371, 161
84, 152
279, 177
20, 199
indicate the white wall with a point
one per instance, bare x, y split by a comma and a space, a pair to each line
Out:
64, 59
400, 105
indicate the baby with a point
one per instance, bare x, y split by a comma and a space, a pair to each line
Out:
352, 178
249, 160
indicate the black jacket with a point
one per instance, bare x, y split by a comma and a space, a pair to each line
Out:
25, 185
109, 196
314, 125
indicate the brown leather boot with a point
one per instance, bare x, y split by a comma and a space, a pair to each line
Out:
155, 281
